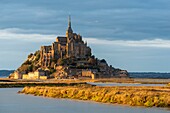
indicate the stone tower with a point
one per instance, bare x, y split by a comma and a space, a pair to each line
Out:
69, 36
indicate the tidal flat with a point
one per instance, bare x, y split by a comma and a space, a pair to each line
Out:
153, 96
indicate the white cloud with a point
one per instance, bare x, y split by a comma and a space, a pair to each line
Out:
158, 43
20, 34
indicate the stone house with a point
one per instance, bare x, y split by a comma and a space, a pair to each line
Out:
18, 75
38, 74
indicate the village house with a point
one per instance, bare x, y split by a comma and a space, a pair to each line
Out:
38, 74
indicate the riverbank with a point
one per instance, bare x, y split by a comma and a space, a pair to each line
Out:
24, 84
8, 83
103, 80
134, 96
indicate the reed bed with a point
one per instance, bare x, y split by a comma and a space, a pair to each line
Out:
134, 96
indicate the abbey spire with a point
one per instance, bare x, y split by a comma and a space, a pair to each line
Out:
69, 21
69, 30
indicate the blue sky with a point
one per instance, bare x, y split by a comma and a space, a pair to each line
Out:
129, 34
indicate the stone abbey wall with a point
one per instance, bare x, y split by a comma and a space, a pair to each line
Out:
71, 45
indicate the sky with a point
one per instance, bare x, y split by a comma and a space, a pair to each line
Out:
130, 34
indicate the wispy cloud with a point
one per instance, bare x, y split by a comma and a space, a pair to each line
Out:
158, 43
20, 34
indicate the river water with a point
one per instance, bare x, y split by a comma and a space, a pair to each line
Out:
11, 102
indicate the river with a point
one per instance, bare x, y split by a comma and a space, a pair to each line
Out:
11, 102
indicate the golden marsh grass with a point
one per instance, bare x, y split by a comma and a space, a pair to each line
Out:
134, 96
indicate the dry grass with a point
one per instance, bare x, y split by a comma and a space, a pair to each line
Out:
134, 96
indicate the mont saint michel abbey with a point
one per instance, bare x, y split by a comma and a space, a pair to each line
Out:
69, 46
67, 57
